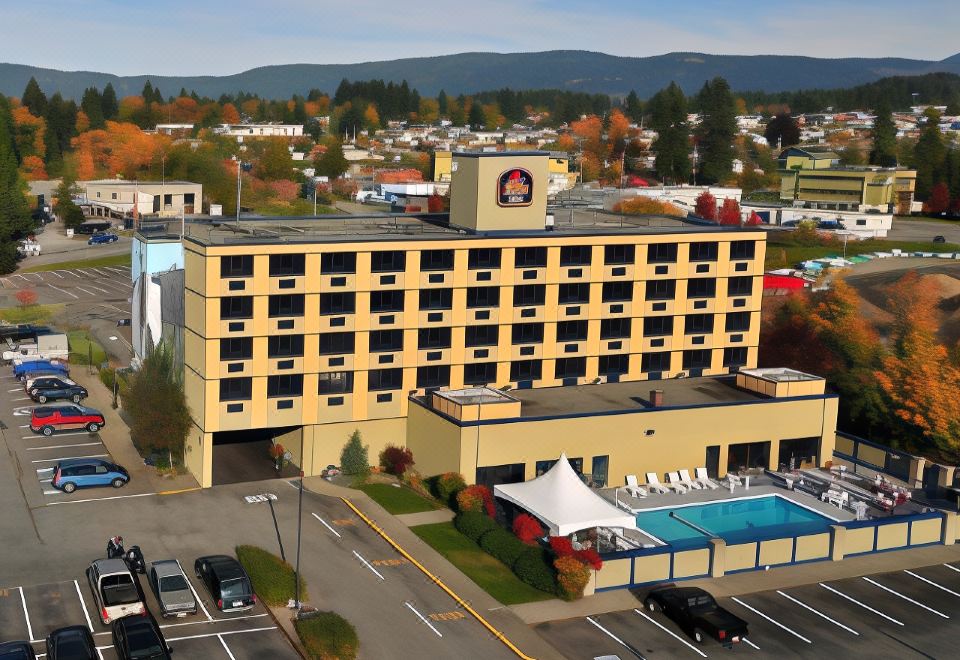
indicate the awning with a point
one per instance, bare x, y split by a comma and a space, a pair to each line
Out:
563, 502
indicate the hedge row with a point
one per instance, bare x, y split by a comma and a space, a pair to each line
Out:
532, 564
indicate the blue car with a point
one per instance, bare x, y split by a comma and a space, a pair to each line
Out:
99, 239
75, 473
44, 367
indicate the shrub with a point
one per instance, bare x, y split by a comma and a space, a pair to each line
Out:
533, 567
561, 546
590, 557
729, 212
272, 577
572, 577
447, 486
474, 524
353, 458
327, 636
476, 498
646, 206
396, 460
26, 297
527, 528
706, 206
503, 545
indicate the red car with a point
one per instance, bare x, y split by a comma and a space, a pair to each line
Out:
65, 418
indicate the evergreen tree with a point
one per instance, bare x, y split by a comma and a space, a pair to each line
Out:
717, 129
147, 92
668, 116
442, 103
476, 117
159, 415
633, 108
929, 154
108, 103
92, 106
15, 220
34, 99
61, 127
354, 459
884, 150
782, 130
332, 162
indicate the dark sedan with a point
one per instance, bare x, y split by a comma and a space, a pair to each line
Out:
71, 643
51, 388
17, 651
139, 638
227, 582
697, 614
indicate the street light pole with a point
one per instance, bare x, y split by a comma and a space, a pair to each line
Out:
239, 184
296, 571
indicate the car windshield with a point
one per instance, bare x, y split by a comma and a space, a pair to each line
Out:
234, 588
73, 646
701, 603
42, 412
14, 654
119, 590
143, 643
173, 583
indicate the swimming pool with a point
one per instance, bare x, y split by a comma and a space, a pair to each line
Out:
732, 520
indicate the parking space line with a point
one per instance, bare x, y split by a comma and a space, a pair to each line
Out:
195, 594
421, 617
952, 568
670, 632
59, 435
79, 444
66, 458
98, 288
211, 621
857, 602
71, 273
367, 564
115, 270
57, 273
773, 621
751, 643
83, 605
907, 598
229, 632
102, 499
26, 615
324, 523
225, 647
91, 293
818, 613
932, 583
75, 296
622, 643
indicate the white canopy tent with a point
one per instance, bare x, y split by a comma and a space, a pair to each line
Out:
563, 502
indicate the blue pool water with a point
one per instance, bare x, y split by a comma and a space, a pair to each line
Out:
733, 520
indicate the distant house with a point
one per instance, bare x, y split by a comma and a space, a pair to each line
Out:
253, 131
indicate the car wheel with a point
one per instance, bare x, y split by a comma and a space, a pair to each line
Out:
47, 431
118, 483
69, 487
698, 636
42, 399
75, 398
651, 605
93, 427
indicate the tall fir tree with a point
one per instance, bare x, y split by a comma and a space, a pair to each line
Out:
668, 117
147, 92
92, 106
718, 126
632, 107
15, 220
108, 103
34, 99
476, 117
442, 103
929, 154
884, 149
61, 127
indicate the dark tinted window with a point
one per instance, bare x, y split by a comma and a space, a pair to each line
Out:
657, 326
575, 255
480, 373
335, 382
286, 305
386, 301
706, 251
661, 289
236, 266
571, 331
338, 303
285, 346
483, 296
697, 359
574, 293
614, 291
614, 328
436, 260
570, 367
233, 389
529, 294
739, 286
236, 307
481, 258
530, 257
660, 253
385, 379
614, 364
287, 264
389, 261
433, 376
338, 262
236, 348
742, 249
737, 322
285, 385
336, 342
655, 362
436, 298
382, 341
482, 335
618, 254
526, 370
735, 357
527, 333
698, 324
701, 287
433, 338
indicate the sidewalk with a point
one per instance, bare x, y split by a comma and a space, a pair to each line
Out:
426, 517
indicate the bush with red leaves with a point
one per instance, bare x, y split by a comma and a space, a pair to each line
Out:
527, 528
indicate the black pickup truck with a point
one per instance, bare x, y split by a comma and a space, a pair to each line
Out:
697, 613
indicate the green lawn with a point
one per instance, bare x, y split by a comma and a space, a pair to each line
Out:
296, 207
83, 347
398, 500
490, 574
115, 260
782, 255
30, 313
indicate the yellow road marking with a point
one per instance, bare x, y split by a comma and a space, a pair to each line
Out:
389, 562
176, 492
447, 616
343, 522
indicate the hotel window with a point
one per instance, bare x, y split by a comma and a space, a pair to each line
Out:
286, 305
698, 324
389, 261
236, 266
661, 289
385, 341
236, 307
526, 370
574, 293
742, 250
526, 295
480, 373
654, 362
433, 338
433, 376
530, 257
575, 255
697, 359
571, 331
384, 379
614, 328
235, 389
338, 263
436, 298
335, 382
483, 258
614, 364
436, 260
706, 251
657, 326
738, 322
570, 367
333, 343
338, 303
483, 296
662, 253
619, 254
285, 346
482, 335
527, 333
287, 264
701, 287
386, 301
236, 348
285, 385
617, 291
739, 286
735, 357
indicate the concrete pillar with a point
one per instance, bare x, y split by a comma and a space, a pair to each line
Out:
945, 477
837, 537
915, 480
948, 534
718, 558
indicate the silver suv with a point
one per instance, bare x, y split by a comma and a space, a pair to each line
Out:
171, 588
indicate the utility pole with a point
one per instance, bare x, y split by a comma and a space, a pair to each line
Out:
239, 184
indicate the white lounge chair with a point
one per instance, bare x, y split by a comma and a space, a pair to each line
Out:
703, 479
653, 483
688, 482
633, 486
838, 498
733, 479
673, 481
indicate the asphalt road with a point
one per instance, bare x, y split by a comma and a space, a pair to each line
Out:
923, 230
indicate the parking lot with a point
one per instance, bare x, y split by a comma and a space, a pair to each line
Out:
103, 284
904, 614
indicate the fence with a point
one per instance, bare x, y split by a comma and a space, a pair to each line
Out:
870, 458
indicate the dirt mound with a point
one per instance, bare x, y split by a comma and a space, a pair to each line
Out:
948, 285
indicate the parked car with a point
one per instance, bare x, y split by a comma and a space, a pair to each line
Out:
101, 238
227, 582
139, 638
939, 239
73, 473
71, 643
65, 418
52, 388
22, 370
115, 592
39, 373
17, 651
171, 588
21, 331
697, 614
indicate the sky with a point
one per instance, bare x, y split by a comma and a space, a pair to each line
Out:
217, 37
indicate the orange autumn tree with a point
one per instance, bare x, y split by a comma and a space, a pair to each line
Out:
617, 130
119, 149
230, 114
589, 133
918, 376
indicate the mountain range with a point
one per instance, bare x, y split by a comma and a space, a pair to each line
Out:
573, 70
